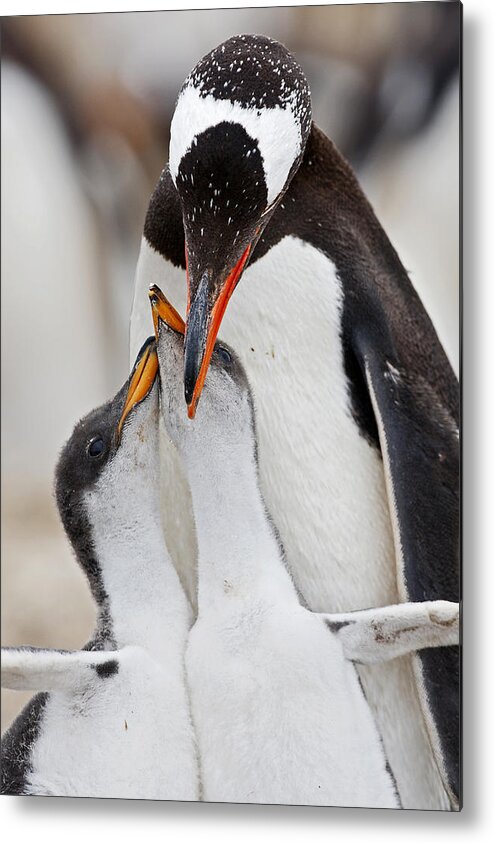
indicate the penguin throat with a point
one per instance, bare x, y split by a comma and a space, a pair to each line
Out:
239, 554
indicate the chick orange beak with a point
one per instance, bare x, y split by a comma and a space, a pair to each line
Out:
142, 380
162, 309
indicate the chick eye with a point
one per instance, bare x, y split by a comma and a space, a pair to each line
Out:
224, 354
96, 447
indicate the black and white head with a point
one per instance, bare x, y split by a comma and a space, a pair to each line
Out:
226, 421
238, 136
108, 464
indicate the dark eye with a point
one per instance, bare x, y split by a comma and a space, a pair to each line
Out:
96, 447
224, 354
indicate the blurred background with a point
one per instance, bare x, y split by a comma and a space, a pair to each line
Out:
86, 106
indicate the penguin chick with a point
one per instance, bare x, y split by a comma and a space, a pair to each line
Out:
113, 718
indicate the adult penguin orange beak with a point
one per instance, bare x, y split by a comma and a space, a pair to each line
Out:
208, 300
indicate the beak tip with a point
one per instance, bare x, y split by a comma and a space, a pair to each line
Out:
163, 312
192, 367
189, 393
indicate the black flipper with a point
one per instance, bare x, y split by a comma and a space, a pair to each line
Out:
418, 437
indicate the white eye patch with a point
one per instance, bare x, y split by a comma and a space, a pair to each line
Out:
277, 131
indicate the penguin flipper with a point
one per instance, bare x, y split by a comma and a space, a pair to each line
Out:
38, 669
419, 444
375, 635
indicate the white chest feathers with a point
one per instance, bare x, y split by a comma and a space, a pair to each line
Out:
125, 736
279, 714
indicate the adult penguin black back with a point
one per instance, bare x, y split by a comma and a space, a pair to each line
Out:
357, 404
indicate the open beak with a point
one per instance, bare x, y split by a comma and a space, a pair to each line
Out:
203, 322
162, 309
141, 381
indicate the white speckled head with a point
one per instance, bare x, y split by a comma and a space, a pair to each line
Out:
237, 138
254, 82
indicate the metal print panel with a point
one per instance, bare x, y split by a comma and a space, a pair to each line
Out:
265, 511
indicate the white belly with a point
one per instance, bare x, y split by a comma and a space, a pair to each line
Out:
322, 482
128, 737
279, 714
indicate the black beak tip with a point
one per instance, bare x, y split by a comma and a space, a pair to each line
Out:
191, 372
188, 392
195, 337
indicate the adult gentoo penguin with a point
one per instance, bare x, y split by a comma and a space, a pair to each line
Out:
112, 719
357, 405
278, 710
